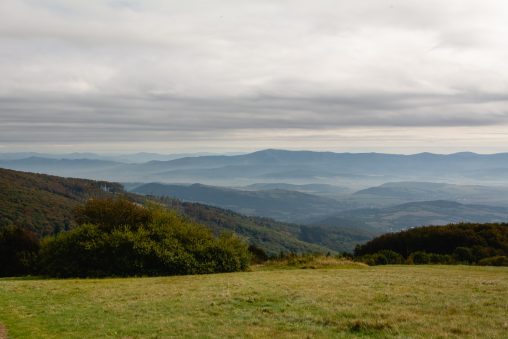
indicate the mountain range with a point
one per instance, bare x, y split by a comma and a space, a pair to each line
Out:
353, 170
357, 195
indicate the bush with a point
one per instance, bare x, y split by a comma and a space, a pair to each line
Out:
258, 255
111, 212
441, 259
384, 257
499, 260
419, 258
18, 252
152, 241
463, 255
392, 258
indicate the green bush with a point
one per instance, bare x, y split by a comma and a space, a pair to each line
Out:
419, 258
436, 258
384, 257
152, 241
108, 213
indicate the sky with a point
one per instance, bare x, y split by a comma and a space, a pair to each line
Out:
397, 76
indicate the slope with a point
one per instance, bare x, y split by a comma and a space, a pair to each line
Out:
284, 205
44, 203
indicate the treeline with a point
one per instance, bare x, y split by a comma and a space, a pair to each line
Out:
482, 244
116, 237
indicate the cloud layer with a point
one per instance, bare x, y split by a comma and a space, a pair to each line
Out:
248, 74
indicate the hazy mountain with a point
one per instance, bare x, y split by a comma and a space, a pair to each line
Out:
317, 189
276, 203
140, 157
394, 218
359, 170
398, 192
80, 168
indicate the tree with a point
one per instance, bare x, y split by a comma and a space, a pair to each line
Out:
18, 252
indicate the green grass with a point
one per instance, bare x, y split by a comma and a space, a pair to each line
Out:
390, 301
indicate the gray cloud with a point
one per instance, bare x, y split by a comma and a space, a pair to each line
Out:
115, 72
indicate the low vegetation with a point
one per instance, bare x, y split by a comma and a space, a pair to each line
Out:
381, 302
307, 261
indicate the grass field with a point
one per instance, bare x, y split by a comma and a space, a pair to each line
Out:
390, 301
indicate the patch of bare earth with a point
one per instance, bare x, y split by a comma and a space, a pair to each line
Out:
3, 332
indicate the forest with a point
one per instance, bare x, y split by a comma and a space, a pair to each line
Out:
465, 243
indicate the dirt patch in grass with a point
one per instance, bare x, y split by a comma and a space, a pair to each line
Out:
3, 332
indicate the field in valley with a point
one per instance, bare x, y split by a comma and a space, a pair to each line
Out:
382, 301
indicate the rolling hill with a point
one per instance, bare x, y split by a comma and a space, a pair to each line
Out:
45, 205
279, 204
331, 191
400, 192
400, 217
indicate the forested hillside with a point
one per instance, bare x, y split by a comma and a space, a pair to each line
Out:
280, 204
461, 243
44, 203
270, 235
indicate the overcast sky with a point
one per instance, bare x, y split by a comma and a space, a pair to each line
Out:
398, 76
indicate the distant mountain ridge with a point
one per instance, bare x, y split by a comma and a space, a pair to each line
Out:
413, 214
423, 191
139, 157
296, 167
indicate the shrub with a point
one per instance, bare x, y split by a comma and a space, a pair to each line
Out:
436, 258
384, 257
499, 260
463, 255
257, 254
111, 212
392, 257
419, 258
149, 242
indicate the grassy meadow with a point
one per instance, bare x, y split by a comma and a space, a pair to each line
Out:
347, 301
